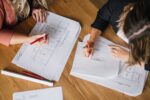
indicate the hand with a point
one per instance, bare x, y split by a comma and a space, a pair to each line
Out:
39, 15
33, 38
88, 49
119, 52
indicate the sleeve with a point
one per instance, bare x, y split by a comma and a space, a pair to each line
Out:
5, 35
147, 66
39, 4
103, 17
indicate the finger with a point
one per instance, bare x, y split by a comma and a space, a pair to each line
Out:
40, 16
45, 13
112, 45
46, 37
44, 16
37, 17
91, 54
46, 41
114, 51
42, 41
87, 54
114, 55
37, 44
86, 50
40, 35
34, 16
114, 48
90, 51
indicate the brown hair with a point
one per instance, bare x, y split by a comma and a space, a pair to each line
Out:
137, 29
22, 7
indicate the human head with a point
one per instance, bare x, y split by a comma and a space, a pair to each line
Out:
22, 7
137, 29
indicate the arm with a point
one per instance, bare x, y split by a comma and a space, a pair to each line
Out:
5, 35
94, 33
99, 25
18, 38
39, 14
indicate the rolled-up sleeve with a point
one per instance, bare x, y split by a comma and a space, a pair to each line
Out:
103, 17
5, 35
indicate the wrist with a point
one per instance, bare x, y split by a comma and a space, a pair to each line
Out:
90, 44
94, 34
91, 39
27, 39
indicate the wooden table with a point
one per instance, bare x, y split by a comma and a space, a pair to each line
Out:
73, 88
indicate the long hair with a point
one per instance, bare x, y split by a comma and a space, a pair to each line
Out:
22, 7
137, 29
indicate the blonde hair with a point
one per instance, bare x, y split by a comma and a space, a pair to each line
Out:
136, 26
22, 7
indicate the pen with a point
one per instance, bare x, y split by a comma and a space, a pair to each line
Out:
32, 75
39, 39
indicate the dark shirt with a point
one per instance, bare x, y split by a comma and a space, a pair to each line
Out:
109, 14
147, 66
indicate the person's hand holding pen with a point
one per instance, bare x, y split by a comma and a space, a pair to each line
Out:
38, 39
88, 48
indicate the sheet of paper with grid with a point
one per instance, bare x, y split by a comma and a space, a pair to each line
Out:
130, 79
49, 60
41, 94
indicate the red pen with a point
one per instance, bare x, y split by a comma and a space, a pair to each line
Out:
32, 75
39, 39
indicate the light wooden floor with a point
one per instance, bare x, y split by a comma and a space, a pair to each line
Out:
83, 11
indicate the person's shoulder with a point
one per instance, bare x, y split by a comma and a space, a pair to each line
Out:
119, 4
116, 2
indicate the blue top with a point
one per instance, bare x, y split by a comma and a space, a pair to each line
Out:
110, 13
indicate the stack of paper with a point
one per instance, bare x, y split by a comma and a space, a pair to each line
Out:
104, 69
49, 60
42, 94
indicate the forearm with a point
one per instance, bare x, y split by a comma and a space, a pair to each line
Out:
94, 34
18, 38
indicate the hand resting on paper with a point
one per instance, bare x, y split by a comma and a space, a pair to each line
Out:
88, 49
39, 15
119, 52
38, 39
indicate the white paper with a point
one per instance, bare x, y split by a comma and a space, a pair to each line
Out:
42, 94
17, 75
49, 60
100, 65
130, 79
122, 36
